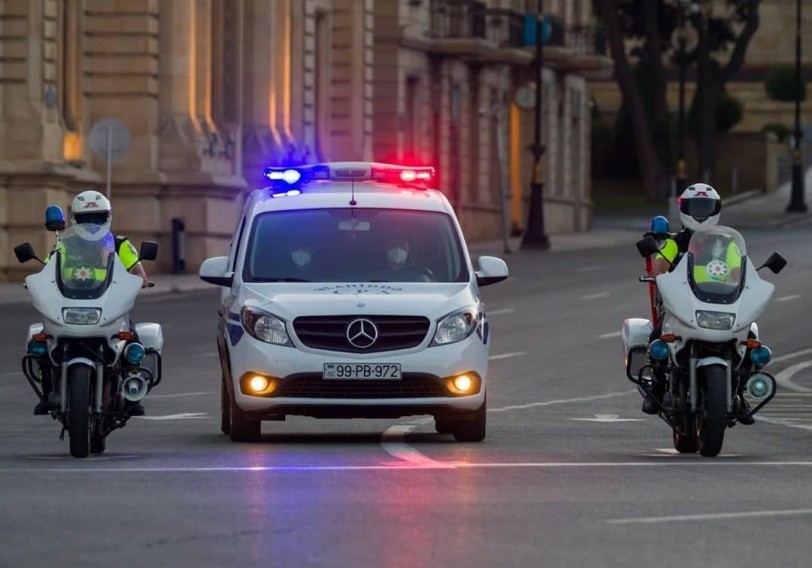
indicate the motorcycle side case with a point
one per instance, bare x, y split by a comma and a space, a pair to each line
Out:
151, 337
635, 336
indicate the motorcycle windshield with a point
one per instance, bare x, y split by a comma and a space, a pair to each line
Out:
85, 255
716, 266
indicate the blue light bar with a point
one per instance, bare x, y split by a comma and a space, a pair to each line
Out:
289, 176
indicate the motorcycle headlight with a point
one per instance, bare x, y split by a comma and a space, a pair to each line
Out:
714, 320
265, 327
81, 316
456, 326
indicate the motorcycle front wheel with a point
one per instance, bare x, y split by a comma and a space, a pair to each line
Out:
710, 419
79, 427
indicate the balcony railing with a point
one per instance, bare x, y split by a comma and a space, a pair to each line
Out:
588, 40
504, 28
458, 19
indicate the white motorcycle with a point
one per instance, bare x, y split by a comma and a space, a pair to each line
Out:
708, 351
85, 349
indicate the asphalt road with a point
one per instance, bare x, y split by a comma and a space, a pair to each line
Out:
571, 474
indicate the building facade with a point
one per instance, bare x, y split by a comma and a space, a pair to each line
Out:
212, 91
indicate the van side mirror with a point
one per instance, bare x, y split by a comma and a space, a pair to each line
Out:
491, 270
149, 251
215, 271
648, 246
775, 263
54, 218
25, 252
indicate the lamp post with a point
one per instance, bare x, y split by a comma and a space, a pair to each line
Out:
797, 203
534, 236
683, 48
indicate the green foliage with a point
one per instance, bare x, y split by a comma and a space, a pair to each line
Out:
781, 84
781, 131
729, 112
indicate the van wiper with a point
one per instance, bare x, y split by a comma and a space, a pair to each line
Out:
261, 279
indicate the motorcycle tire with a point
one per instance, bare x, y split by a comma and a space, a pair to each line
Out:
79, 427
443, 426
473, 429
711, 418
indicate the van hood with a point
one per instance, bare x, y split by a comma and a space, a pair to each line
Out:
291, 300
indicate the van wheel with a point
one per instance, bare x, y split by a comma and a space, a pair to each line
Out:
443, 425
240, 428
225, 407
472, 428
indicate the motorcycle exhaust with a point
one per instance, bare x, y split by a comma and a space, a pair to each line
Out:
760, 386
134, 388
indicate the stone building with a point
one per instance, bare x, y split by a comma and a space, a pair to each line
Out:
214, 90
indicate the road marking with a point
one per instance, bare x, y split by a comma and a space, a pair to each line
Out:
792, 355
594, 296
608, 418
181, 416
506, 356
673, 452
563, 401
394, 443
695, 462
609, 335
501, 312
710, 516
178, 395
11, 374
784, 422
208, 354
789, 298
784, 378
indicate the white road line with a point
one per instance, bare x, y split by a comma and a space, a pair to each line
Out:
792, 355
177, 395
506, 356
456, 465
608, 418
394, 442
181, 416
672, 452
610, 335
11, 374
784, 422
789, 298
784, 378
710, 517
501, 312
563, 401
594, 296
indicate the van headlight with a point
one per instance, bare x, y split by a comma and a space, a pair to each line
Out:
81, 316
456, 326
714, 320
264, 326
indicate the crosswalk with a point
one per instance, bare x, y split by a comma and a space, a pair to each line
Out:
792, 405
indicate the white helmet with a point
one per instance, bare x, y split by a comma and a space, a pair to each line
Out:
699, 207
93, 208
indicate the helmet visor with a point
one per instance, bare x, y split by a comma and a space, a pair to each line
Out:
700, 207
94, 218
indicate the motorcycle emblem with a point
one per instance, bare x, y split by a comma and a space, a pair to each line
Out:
362, 333
83, 273
717, 270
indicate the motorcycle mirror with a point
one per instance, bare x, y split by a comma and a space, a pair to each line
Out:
25, 252
54, 218
647, 247
149, 251
775, 263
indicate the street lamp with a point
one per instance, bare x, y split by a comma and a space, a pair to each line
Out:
693, 7
534, 236
796, 203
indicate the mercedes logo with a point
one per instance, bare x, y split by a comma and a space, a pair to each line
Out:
362, 333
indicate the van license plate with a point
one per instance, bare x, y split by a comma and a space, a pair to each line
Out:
362, 371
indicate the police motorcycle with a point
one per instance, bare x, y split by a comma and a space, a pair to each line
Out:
708, 352
85, 348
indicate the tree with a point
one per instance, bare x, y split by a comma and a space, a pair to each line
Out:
642, 30
733, 26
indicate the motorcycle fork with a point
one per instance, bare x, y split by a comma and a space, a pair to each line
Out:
692, 361
63, 381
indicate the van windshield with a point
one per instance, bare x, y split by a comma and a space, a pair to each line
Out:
354, 245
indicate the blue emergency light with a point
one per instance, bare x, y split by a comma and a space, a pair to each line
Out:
288, 180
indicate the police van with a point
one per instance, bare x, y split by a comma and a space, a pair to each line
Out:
348, 292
